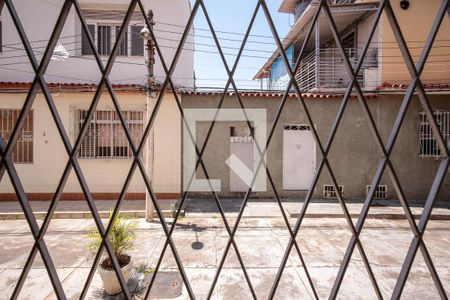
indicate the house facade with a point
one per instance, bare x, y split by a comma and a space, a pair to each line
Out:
105, 155
293, 154
322, 68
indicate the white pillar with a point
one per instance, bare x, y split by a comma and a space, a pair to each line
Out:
150, 155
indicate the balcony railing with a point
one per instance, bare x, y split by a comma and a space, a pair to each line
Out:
326, 69
341, 1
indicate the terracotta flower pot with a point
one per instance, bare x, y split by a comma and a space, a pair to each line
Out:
110, 281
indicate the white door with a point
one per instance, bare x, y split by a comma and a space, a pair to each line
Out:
299, 157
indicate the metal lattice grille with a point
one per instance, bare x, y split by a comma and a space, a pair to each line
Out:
24, 148
415, 86
105, 137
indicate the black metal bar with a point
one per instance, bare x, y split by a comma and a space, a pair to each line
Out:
315, 181
249, 191
414, 228
73, 161
6, 164
417, 240
261, 153
34, 228
387, 151
21, 121
169, 73
361, 97
199, 161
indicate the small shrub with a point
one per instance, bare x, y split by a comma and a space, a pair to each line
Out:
121, 237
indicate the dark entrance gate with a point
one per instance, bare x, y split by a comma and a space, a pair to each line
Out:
415, 86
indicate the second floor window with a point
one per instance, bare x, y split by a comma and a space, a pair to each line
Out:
105, 36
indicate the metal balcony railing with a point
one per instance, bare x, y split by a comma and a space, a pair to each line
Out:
326, 69
341, 1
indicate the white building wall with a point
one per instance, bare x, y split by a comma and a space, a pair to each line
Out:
39, 18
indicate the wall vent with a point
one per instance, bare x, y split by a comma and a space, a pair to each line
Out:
329, 192
380, 192
296, 127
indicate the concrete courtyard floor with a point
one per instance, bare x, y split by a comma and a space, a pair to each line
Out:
261, 241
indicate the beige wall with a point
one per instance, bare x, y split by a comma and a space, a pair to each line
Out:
167, 156
415, 23
102, 175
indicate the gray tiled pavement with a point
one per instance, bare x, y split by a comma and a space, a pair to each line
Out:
261, 242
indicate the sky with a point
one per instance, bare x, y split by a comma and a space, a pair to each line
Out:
230, 20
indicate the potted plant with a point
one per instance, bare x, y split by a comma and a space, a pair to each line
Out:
121, 238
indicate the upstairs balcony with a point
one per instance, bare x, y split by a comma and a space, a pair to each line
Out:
325, 69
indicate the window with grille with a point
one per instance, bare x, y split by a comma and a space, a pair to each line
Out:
137, 43
428, 144
105, 37
329, 192
23, 152
380, 192
105, 137
241, 134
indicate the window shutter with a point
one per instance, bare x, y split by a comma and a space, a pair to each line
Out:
137, 43
85, 48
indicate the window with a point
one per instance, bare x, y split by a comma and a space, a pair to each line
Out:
428, 144
349, 44
23, 153
137, 43
85, 48
380, 192
104, 37
329, 192
105, 137
241, 134
123, 47
1, 36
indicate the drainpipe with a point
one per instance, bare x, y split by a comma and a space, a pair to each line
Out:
151, 97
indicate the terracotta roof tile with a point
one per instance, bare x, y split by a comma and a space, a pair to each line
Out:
402, 86
271, 94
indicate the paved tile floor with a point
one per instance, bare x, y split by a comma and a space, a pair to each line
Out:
261, 242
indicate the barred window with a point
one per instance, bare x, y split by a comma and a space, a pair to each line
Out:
105, 137
23, 152
105, 37
428, 144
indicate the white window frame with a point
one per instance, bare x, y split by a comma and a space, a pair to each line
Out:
428, 145
85, 153
113, 25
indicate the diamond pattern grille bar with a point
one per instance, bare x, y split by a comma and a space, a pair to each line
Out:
39, 82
